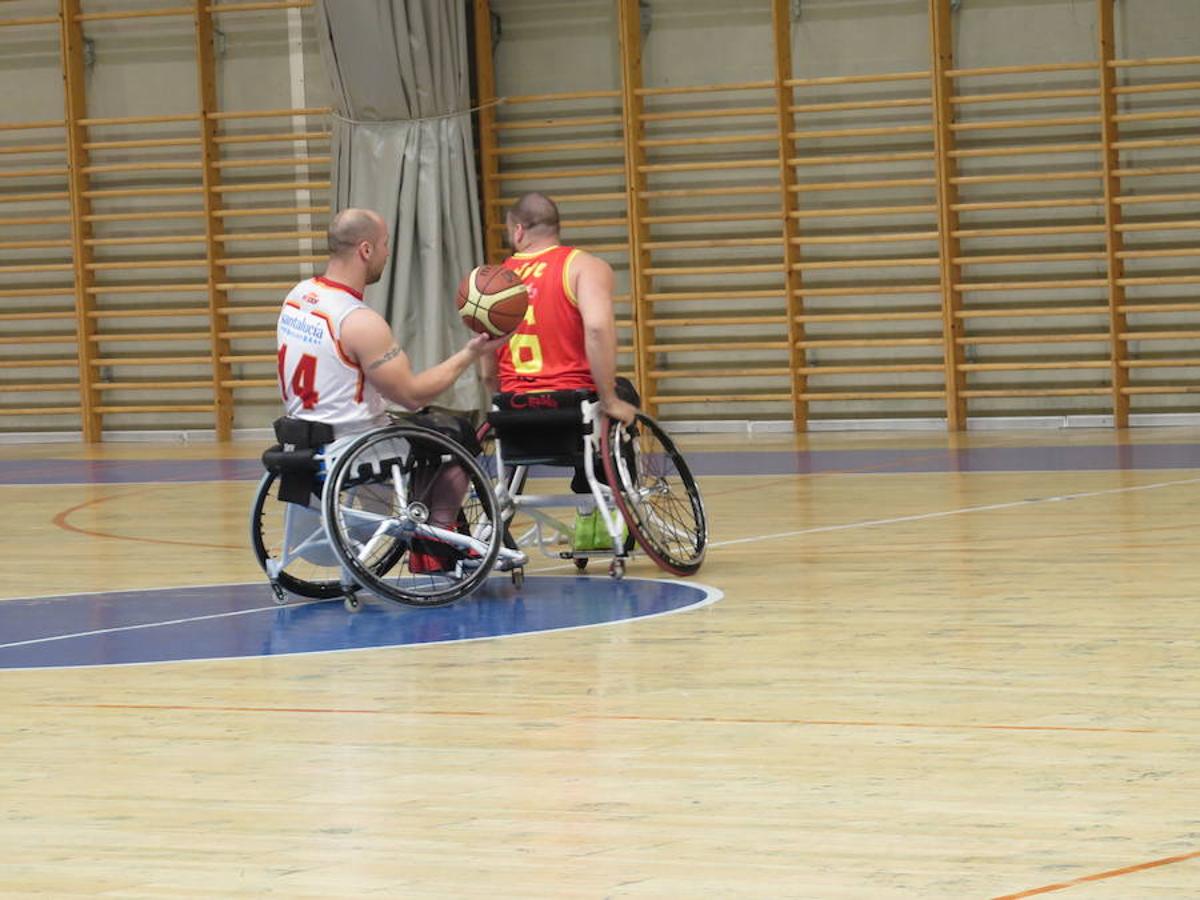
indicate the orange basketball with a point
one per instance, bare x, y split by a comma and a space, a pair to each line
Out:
492, 300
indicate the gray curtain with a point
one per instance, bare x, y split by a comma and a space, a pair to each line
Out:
402, 147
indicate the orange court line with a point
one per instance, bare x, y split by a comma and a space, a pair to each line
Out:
714, 720
60, 520
1102, 876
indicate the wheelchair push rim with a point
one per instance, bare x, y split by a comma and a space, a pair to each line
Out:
656, 493
379, 503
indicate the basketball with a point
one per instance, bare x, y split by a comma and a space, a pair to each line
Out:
492, 300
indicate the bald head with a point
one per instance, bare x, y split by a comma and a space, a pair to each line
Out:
537, 213
358, 247
351, 227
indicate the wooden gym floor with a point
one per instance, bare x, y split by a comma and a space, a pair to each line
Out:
942, 666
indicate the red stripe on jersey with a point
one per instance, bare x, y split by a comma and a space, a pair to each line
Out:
358, 391
337, 285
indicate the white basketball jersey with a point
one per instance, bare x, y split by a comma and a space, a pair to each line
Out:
318, 380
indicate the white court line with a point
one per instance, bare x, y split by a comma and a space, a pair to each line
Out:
870, 523
920, 517
120, 628
711, 596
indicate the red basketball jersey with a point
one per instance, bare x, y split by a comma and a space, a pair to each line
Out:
546, 352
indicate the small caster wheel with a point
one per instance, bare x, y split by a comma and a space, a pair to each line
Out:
581, 563
518, 578
352, 603
616, 569
280, 596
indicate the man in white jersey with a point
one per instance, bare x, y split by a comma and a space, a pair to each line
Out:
338, 361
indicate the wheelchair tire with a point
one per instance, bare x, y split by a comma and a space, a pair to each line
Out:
361, 495
311, 586
325, 588
656, 493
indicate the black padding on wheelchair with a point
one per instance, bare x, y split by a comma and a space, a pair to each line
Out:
540, 429
293, 458
301, 433
446, 424
380, 471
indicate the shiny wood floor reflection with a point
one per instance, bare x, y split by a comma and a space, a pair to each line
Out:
918, 684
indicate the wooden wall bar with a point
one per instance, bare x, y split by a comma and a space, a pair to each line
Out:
951, 243
1155, 116
154, 246
39, 315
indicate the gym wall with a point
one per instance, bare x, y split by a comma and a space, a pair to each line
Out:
902, 213
1017, 243
189, 145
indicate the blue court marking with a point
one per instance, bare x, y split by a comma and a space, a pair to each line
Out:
1089, 457
240, 620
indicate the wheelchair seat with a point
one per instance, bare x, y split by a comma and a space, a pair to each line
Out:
630, 478
544, 428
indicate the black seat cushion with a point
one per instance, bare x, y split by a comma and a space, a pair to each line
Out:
540, 428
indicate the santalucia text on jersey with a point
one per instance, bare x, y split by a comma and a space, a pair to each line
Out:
304, 329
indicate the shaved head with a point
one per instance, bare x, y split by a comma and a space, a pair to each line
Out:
351, 227
536, 212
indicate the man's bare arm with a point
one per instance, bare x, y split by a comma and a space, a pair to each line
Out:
593, 291
489, 371
387, 357
367, 339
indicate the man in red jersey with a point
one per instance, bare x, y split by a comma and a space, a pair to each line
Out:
569, 337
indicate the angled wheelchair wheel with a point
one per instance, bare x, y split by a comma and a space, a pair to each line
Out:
656, 493
417, 501
300, 555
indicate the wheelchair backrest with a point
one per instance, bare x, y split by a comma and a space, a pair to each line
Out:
293, 459
543, 428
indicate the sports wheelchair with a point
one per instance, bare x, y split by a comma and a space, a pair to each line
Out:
632, 478
412, 516
403, 511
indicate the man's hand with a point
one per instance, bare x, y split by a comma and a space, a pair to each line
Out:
483, 345
616, 408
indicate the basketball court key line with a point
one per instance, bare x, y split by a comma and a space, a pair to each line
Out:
1101, 876
711, 595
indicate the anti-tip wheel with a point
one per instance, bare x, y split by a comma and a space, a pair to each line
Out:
352, 603
581, 563
280, 596
616, 569
518, 578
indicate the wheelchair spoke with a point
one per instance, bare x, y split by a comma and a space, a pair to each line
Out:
374, 542
657, 495
398, 486
411, 515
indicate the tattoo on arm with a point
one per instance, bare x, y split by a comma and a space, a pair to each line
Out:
387, 357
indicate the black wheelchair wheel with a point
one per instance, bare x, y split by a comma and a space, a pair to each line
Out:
656, 493
299, 576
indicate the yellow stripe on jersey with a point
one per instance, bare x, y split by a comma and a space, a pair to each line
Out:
567, 278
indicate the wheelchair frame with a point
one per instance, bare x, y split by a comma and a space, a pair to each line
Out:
624, 498
370, 536
344, 469
510, 487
